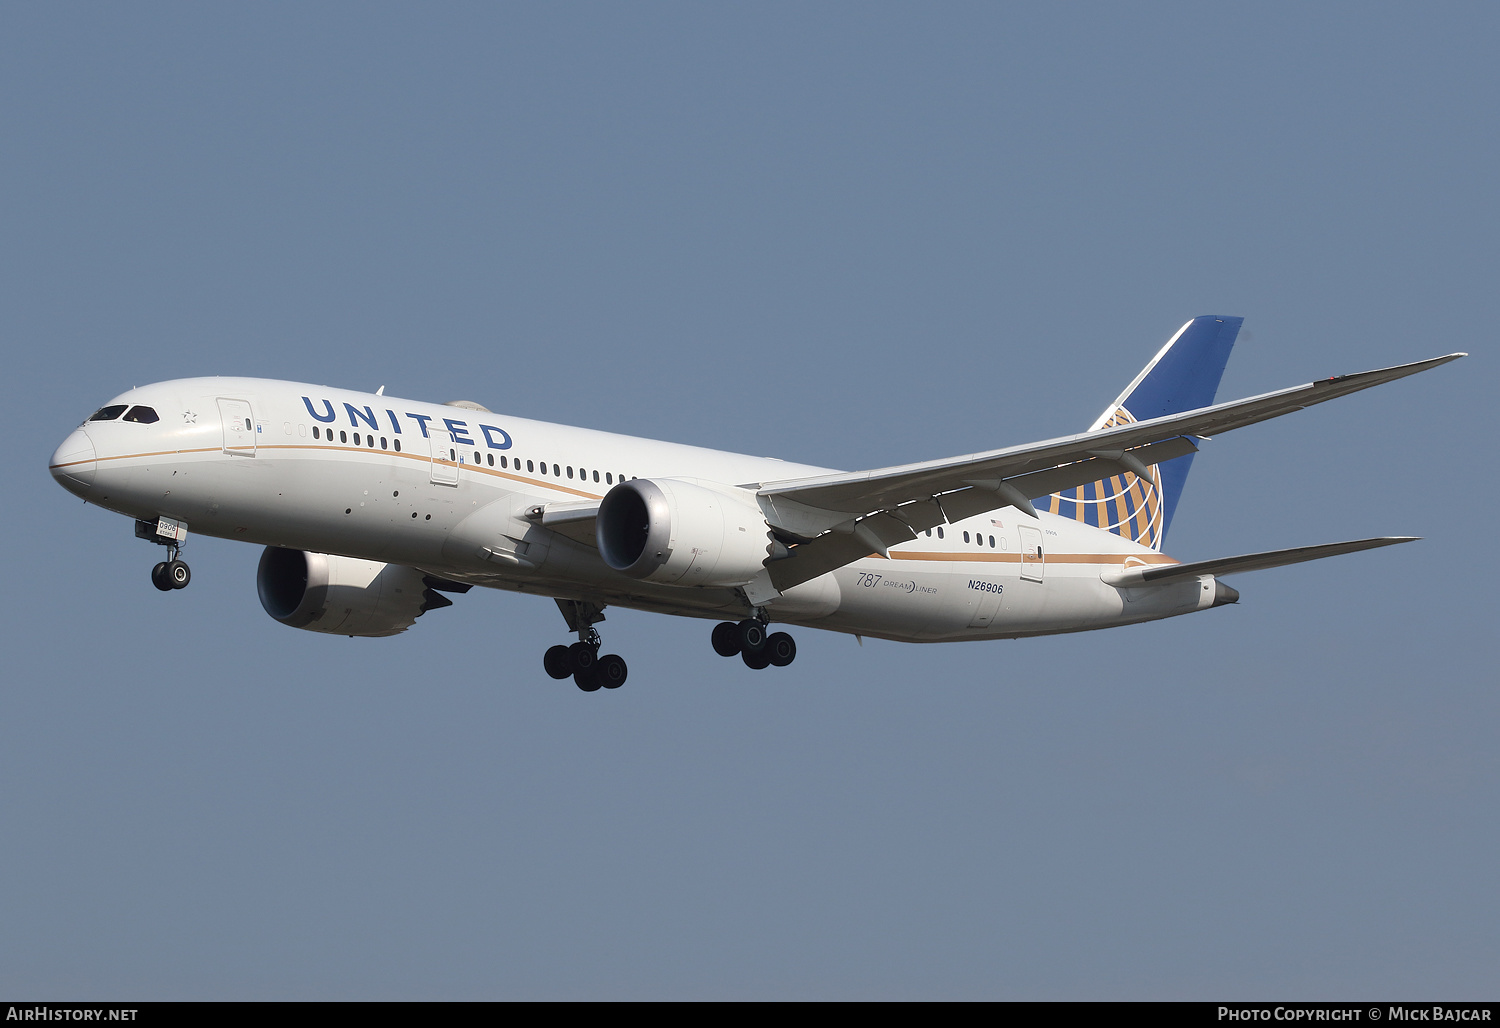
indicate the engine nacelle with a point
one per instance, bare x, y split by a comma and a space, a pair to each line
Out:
678, 532
322, 592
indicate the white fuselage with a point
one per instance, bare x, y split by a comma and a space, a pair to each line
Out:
376, 484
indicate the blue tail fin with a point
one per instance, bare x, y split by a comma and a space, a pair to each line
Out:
1183, 376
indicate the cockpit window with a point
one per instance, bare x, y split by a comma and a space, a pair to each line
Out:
143, 415
109, 413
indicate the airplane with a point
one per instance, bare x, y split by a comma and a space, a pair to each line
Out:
371, 509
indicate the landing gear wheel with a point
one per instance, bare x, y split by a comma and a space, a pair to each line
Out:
752, 636
756, 659
588, 681
159, 577
781, 649
582, 657
177, 574
557, 662
726, 638
610, 672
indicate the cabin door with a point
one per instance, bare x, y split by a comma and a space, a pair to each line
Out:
239, 427
1033, 557
444, 457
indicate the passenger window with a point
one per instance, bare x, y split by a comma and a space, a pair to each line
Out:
529, 467
992, 542
343, 436
397, 444
966, 537
315, 432
476, 457
570, 471
490, 457
929, 533
109, 413
382, 442
556, 473
544, 467
940, 532
370, 441
503, 464
609, 478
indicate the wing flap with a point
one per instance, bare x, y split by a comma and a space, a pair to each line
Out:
573, 518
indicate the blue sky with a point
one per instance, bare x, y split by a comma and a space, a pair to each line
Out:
848, 234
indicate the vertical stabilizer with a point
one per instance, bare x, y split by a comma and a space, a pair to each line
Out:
1183, 376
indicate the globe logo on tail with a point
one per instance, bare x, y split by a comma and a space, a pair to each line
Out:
1127, 505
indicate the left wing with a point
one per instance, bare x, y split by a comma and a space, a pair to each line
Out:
837, 519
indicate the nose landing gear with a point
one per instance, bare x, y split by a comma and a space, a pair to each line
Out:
754, 646
589, 671
172, 573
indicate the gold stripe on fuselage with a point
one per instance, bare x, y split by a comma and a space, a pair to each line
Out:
938, 555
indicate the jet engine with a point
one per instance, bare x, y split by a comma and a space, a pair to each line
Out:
322, 592
679, 532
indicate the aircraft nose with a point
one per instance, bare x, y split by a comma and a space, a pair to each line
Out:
73, 463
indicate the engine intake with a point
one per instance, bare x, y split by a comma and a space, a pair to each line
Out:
679, 532
322, 592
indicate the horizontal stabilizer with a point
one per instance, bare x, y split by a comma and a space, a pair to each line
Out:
1252, 561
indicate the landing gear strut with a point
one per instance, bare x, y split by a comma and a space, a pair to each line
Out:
754, 646
589, 671
172, 573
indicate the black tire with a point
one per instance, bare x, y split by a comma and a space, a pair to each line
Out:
756, 659
781, 649
752, 635
159, 577
556, 661
582, 657
726, 639
611, 671
588, 681
178, 574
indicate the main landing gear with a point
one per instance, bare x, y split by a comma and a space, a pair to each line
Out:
589, 671
172, 573
755, 647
